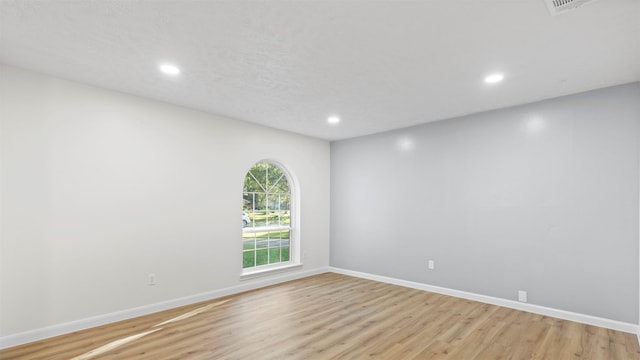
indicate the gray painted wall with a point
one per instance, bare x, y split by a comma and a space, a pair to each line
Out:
540, 197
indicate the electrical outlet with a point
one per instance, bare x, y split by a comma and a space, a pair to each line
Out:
151, 279
431, 265
522, 296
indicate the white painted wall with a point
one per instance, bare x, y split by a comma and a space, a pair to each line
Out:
100, 188
541, 197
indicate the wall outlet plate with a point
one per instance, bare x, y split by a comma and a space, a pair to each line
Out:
151, 279
522, 296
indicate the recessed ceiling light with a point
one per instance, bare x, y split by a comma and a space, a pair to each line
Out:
493, 78
169, 69
333, 120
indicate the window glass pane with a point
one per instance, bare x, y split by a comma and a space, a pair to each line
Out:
251, 184
275, 256
274, 243
248, 244
259, 210
266, 216
261, 243
285, 209
248, 258
262, 257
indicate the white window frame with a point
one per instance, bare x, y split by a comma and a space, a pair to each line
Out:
294, 243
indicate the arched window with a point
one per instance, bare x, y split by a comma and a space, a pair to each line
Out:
266, 218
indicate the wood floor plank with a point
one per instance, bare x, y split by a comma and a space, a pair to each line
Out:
332, 316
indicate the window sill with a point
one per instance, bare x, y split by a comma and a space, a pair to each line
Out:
270, 271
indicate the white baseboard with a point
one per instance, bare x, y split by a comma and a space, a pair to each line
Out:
82, 324
541, 310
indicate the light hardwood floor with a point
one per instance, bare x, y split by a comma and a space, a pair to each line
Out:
332, 316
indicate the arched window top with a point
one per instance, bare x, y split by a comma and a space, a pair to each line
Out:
266, 177
266, 217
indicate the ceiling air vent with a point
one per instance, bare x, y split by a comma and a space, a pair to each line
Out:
557, 7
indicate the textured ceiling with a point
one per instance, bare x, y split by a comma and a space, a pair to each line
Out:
379, 65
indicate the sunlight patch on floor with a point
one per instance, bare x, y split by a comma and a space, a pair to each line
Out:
191, 313
112, 345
